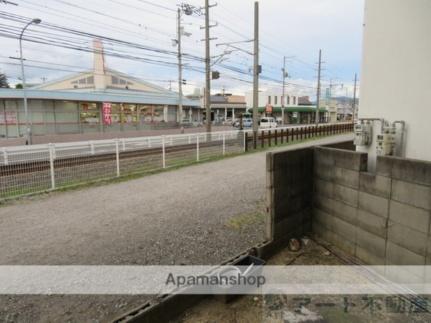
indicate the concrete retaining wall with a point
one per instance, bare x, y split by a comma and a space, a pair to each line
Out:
381, 218
289, 194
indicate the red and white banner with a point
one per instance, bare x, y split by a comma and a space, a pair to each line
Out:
107, 113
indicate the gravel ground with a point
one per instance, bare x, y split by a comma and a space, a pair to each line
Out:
202, 214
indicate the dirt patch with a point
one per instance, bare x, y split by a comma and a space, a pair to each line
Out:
308, 308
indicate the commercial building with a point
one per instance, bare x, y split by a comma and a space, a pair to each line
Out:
98, 100
224, 106
294, 111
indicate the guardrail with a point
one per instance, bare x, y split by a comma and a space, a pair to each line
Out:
37, 168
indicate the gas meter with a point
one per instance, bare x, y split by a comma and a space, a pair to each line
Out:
386, 142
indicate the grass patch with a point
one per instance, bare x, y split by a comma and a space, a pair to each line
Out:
241, 221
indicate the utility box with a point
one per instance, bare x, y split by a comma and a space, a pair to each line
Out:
363, 133
386, 142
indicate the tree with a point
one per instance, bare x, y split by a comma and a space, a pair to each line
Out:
18, 86
3, 81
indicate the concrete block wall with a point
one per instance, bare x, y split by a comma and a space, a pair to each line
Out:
380, 218
289, 194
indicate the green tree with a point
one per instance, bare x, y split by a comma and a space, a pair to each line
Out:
18, 86
3, 81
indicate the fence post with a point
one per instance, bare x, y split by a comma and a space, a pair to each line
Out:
224, 144
163, 152
287, 135
276, 139
197, 147
255, 136
92, 147
281, 138
269, 138
5, 157
245, 142
117, 156
262, 138
51, 148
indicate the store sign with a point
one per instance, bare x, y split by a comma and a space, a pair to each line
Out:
268, 108
107, 113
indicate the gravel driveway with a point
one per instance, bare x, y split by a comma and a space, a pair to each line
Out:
201, 214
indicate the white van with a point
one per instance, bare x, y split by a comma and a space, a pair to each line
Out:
268, 123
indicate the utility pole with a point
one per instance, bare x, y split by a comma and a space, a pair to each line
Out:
354, 99
207, 66
318, 88
256, 68
283, 97
180, 69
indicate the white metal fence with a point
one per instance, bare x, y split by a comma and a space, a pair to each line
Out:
30, 169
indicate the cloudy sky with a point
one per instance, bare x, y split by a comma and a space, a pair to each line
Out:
292, 28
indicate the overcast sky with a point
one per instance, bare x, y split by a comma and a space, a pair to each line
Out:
292, 28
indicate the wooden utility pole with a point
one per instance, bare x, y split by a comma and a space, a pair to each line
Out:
318, 88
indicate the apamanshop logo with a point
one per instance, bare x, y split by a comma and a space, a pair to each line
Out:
230, 277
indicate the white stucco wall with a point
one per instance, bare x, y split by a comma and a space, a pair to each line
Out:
396, 70
263, 98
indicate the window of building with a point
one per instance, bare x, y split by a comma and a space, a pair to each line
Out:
269, 99
90, 80
288, 100
89, 113
294, 100
275, 100
115, 80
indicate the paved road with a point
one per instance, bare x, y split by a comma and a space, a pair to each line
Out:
201, 214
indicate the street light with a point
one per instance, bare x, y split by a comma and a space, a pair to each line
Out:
28, 139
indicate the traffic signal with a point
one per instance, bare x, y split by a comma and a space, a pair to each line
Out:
215, 75
184, 82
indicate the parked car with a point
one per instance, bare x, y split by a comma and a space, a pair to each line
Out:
246, 123
268, 122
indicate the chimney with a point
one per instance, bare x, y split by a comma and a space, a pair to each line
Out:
99, 65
